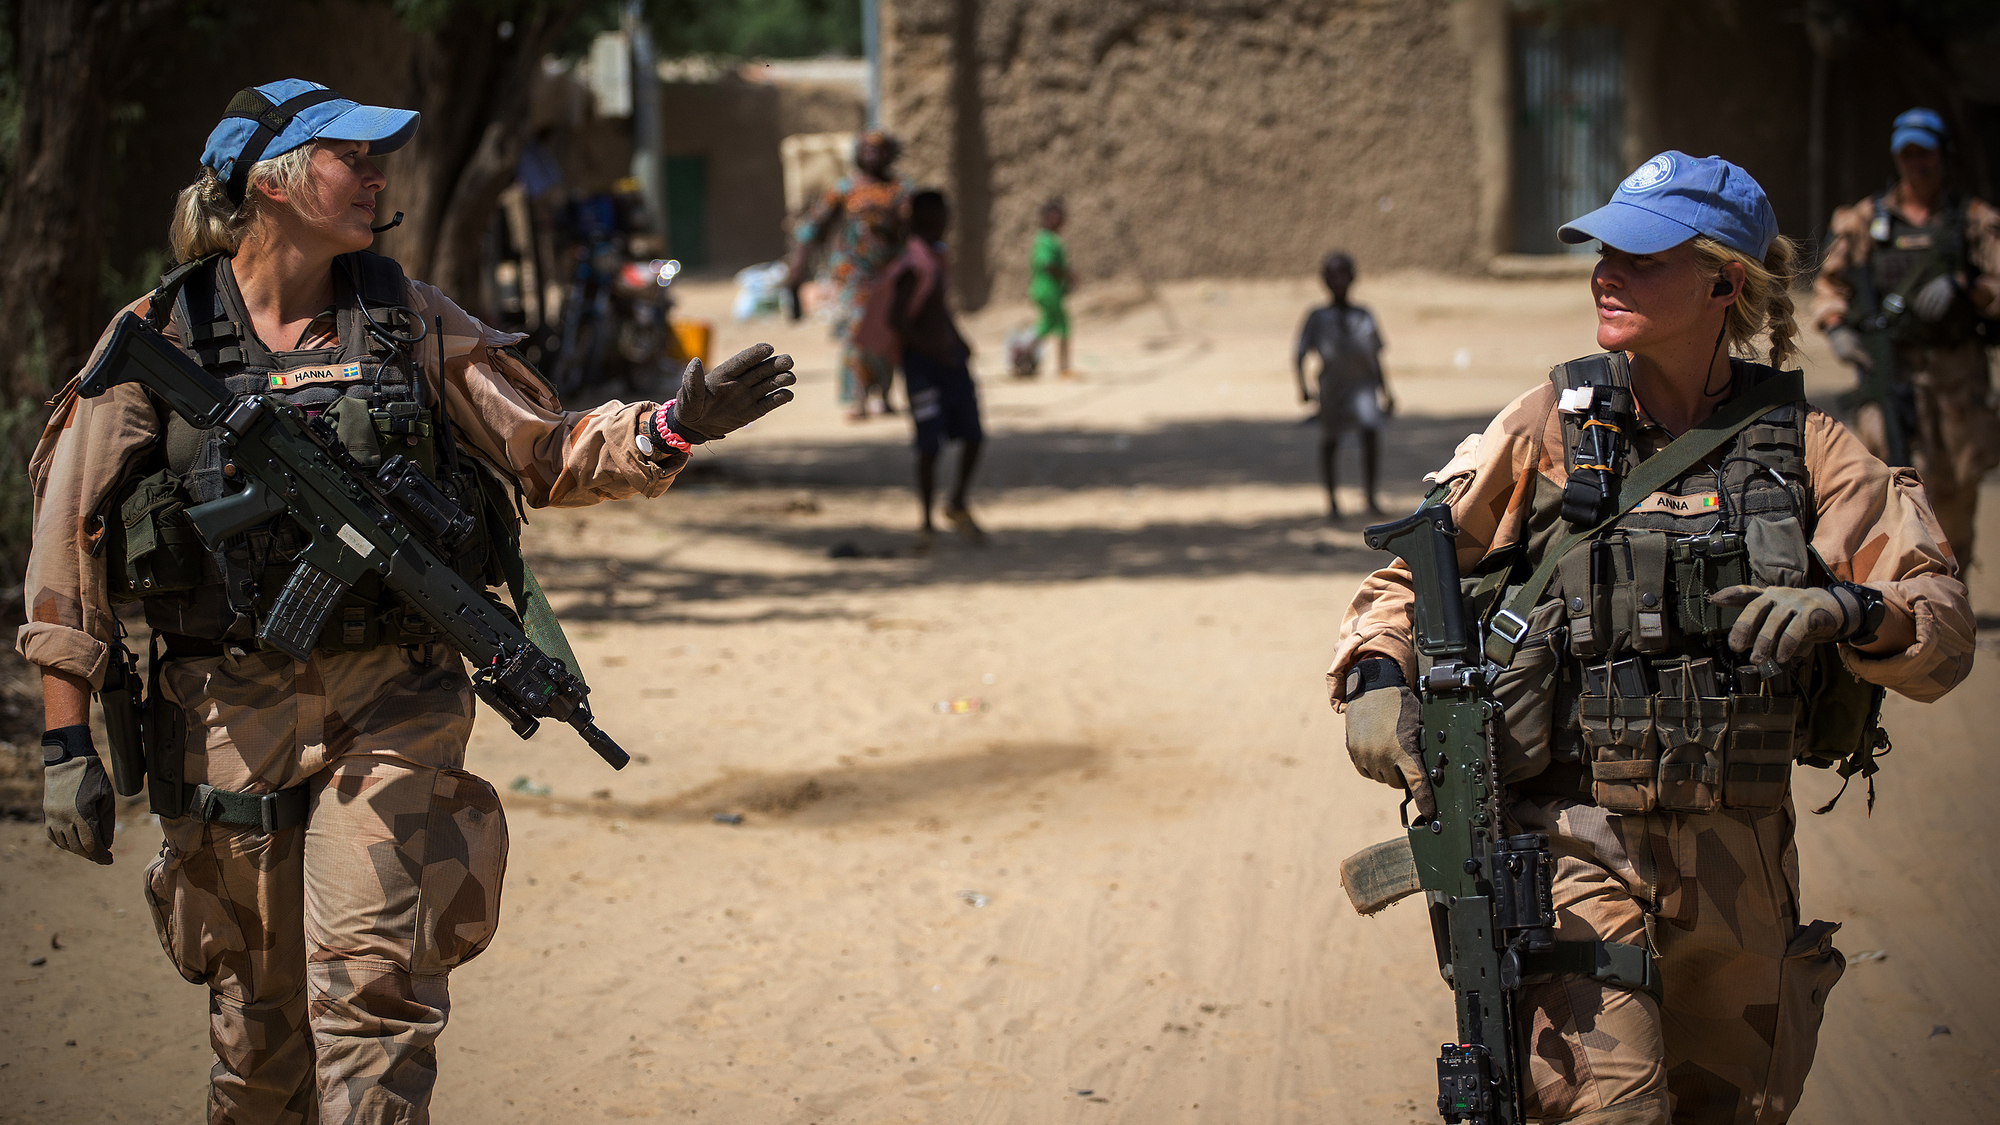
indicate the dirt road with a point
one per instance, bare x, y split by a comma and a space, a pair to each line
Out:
1042, 832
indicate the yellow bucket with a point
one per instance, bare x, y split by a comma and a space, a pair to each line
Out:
691, 337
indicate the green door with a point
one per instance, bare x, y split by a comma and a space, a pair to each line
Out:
687, 209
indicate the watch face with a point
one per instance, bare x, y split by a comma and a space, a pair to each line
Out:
646, 447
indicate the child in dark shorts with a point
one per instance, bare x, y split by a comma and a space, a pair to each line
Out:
944, 404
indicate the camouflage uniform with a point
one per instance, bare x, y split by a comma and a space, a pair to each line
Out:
1957, 435
1714, 895
326, 947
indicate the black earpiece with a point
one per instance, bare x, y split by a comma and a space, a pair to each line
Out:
1722, 288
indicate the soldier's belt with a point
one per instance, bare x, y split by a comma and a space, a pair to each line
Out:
266, 812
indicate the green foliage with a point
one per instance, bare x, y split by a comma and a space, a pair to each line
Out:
775, 29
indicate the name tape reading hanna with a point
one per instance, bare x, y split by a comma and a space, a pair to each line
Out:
286, 380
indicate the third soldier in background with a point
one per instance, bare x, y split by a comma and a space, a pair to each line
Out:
1907, 277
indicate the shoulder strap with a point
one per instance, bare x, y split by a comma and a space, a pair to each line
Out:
191, 296
368, 279
1653, 474
381, 279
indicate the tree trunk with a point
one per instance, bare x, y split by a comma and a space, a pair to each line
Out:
73, 62
472, 87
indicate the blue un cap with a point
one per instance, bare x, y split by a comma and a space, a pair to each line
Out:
1672, 198
277, 117
1920, 127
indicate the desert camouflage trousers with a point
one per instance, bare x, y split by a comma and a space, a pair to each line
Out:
1957, 438
1745, 983
326, 947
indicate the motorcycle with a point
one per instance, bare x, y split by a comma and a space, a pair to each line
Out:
649, 352
615, 325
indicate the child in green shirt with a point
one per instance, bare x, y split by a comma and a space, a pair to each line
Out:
1049, 281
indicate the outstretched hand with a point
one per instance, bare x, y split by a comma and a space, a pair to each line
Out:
740, 390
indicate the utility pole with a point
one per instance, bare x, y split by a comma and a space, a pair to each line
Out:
646, 140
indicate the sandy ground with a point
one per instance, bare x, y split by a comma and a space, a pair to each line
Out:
1103, 886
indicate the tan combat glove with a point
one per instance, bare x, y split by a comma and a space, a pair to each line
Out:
1780, 622
1383, 722
77, 803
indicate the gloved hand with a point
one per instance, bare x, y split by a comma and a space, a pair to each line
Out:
1382, 728
77, 803
1933, 301
1848, 345
742, 389
1780, 621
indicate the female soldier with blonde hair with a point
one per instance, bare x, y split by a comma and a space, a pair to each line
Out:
1659, 683
328, 861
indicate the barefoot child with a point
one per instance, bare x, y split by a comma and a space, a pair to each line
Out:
1353, 391
943, 402
1049, 283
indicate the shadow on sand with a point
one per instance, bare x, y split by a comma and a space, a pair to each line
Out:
1195, 455
856, 793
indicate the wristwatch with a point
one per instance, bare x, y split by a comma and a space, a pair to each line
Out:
1873, 610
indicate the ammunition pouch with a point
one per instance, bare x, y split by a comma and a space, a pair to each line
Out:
1530, 693
1688, 752
152, 548
1615, 592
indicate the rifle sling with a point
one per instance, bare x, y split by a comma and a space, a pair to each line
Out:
539, 621
1655, 473
1612, 962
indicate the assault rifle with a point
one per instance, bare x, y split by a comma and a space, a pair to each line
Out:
1491, 895
1881, 383
393, 522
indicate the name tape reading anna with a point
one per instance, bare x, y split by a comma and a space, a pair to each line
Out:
1678, 505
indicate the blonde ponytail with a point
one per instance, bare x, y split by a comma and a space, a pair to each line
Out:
1763, 304
205, 222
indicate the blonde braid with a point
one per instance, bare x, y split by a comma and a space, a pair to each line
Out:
1764, 302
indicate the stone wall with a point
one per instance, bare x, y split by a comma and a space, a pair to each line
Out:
1245, 138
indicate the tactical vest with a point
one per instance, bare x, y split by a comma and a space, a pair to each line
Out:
1902, 257
1624, 691
368, 386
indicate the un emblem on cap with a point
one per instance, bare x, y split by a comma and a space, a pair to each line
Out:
1650, 175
